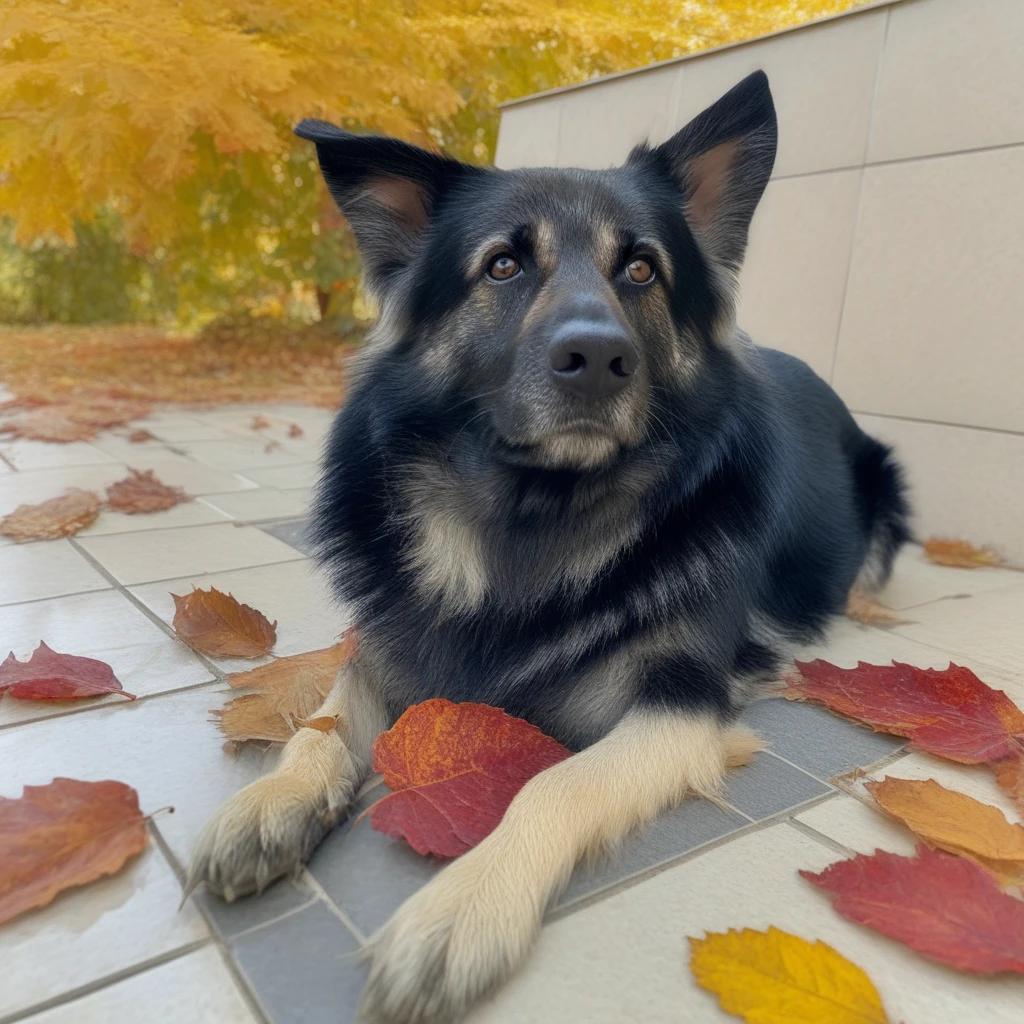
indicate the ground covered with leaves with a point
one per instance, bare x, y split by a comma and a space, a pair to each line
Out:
252, 360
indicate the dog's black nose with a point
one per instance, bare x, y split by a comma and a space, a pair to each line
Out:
591, 358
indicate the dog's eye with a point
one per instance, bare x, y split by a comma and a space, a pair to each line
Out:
502, 267
640, 272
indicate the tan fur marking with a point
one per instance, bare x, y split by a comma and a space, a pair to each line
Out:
546, 247
446, 555
709, 172
463, 933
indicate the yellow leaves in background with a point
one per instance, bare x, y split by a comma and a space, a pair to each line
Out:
773, 977
111, 100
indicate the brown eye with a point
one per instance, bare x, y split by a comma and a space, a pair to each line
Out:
503, 267
640, 272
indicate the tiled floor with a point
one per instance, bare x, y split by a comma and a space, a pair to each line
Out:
613, 950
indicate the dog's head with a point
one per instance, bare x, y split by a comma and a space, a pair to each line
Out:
567, 306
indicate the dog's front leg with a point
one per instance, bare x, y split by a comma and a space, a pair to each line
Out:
461, 935
271, 827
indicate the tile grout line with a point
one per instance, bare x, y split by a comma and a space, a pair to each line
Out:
247, 992
937, 423
310, 880
793, 764
121, 588
623, 884
860, 200
107, 980
820, 837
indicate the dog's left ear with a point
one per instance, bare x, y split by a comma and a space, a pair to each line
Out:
723, 159
387, 189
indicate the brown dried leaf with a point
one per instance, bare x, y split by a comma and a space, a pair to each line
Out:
959, 553
142, 492
259, 423
58, 517
295, 430
72, 420
290, 691
138, 436
216, 624
252, 717
272, 446
47, 424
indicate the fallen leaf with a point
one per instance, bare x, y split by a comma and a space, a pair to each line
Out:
956, 823
65, 834
48, 675
290, 690
294, 430
142, 492
58, 517
948, 712
271, 446
72, 420
863, 607
252, 717
454, 769
774, 977
138, 436
259, 423
959, 554
944, 907
216, 624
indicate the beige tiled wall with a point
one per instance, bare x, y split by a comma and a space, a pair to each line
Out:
888, 251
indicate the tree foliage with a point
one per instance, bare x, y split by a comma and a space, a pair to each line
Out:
172, 118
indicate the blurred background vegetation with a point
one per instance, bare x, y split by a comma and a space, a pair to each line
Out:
149, 176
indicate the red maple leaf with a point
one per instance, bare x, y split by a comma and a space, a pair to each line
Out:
48, 675
947, 712
455, 769
946, 908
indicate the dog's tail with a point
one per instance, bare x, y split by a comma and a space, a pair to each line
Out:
885, 511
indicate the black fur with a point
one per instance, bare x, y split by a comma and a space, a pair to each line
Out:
736, 495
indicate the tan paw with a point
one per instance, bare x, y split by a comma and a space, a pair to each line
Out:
266, 830
449, 945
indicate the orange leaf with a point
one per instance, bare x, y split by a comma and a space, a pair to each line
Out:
58, 517
65, 834
290, 690
259, 423
216, 624
142, 492
948, 712
138, 436
48, 675
863, 607
956, 823
959, 554
945, 908
455, 769
294, 430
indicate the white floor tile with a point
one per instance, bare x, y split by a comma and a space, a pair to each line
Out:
176, 429
34, 486
285, 477
169, 554
986, 627
625, 959
916, 581
28, 455
46, 568
294, 594
260, 504
188, 513
197, 989
95, 930
858, 827
180, 471
166, 747
103, 625
242, 453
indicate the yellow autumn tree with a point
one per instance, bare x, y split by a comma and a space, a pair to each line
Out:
176, 114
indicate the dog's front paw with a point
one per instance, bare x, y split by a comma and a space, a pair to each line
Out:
266, 830
450, 945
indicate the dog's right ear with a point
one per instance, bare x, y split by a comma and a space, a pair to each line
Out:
387, 189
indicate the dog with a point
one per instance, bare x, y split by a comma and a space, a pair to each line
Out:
564, 483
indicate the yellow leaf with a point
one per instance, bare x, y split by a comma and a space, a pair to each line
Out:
956, 823
773, 977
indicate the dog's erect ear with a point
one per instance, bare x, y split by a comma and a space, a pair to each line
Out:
387, 189
723, 159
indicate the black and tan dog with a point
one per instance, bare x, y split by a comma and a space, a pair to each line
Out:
563, 483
